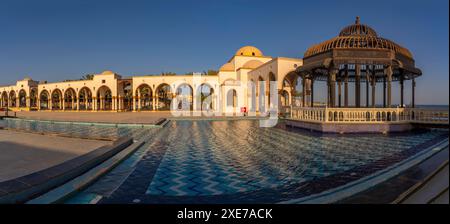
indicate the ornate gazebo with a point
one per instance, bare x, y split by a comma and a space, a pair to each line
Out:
359, 55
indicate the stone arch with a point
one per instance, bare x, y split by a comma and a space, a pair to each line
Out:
186, 92
70, 99
144, 98
104, 98
57, 99
5, 99
206, 97
285, 98
163, 96
85, 101
232, 100
34, 98
22, 98
44, 100
12, 98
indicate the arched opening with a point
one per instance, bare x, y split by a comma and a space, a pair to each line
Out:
145, 97
206, 97
284, 98
44, 100
127, 101
22, 98
232, 98
261, 94
33, 98
185, 96
70, 99
57, 99
4, 99
104, 98
85, 99
272, 89
163, 97
12, 98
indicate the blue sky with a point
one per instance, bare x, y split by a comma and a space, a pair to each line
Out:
57, 40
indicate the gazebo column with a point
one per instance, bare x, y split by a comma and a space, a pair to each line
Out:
303, 91
413, 93
339, 93
332, 86
389, 81
357, 86
367, 85
373, 82
346, 87
401, 89
384, 90
312, 92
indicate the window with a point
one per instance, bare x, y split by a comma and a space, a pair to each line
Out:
103, 81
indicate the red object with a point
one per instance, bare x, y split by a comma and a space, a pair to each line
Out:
243, 109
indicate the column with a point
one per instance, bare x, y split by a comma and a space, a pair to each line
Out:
63, 103
78, 103
373, 83
357, 86
332, 83
384, 90
303, 91
401, 89
346, 87
389, 81
367, 85
413, 104
28, 104
94, 103
339, 92
312, 92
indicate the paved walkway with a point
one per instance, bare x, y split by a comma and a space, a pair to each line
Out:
24, 153
102, 117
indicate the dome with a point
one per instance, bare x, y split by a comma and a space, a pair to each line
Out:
357, 36
107, 72
227, 67
252, 64
249, 51
357, 29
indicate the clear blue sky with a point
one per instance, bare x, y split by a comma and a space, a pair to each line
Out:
57, 40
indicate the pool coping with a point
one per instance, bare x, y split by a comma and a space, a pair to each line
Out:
365, 183
68, 189
24, 188
157, 124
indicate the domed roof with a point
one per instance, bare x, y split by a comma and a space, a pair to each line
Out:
227, 67
107, 72
357, 29
252, 64
357, 36
249, 51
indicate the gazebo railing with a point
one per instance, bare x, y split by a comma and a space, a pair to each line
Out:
367, 115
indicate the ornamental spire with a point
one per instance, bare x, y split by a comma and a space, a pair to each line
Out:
357, 20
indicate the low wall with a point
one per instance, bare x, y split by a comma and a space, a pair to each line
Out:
25, 188
350, 127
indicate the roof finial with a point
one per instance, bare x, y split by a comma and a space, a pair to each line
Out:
357, 20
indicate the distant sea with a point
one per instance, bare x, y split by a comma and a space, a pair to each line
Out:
436, 107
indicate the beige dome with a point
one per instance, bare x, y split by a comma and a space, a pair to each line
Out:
107, 72
252, 64
227, 67
249, 51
